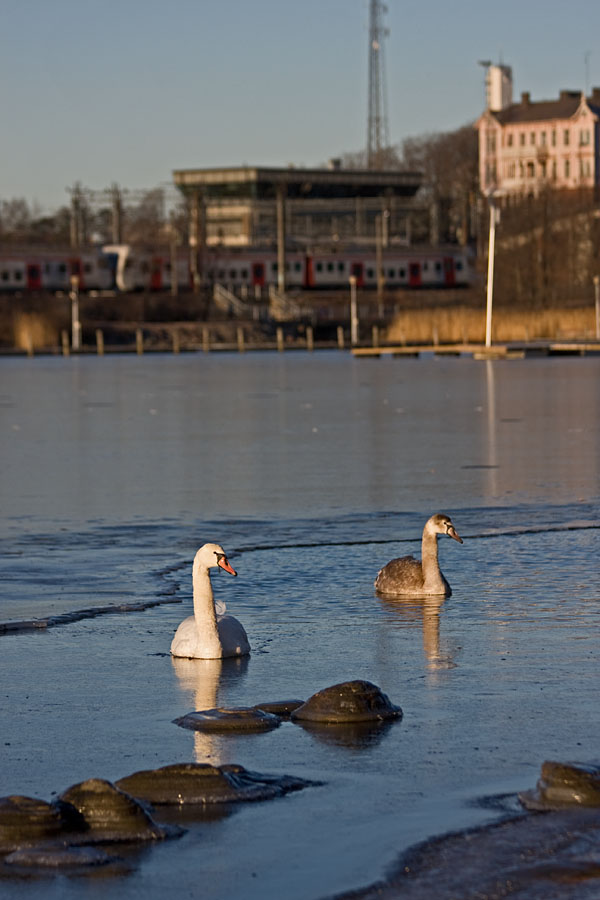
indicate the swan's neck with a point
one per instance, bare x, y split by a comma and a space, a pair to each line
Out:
429, 559
204, 606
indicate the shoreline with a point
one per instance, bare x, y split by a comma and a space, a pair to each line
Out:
524, 855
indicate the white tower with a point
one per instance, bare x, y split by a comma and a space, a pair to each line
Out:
498, 87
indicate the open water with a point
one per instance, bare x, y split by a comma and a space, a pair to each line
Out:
312, 470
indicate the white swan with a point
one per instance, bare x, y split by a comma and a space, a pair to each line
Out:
407, 576
208, 634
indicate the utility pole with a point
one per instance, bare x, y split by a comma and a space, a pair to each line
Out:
117, 214
377, 127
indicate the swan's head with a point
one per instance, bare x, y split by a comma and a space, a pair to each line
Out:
442, 524
210, 555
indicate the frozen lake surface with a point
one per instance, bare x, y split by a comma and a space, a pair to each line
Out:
312, 470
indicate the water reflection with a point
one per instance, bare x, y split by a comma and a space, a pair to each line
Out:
427, 612
205, 681
492, 462
349, 736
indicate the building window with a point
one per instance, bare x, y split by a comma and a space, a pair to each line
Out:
566, 137
543, 138
522, 139
532, 138
553, 170
512, 170
584, 138
509, 140
553, 138
567, 168
530, 170
491, 142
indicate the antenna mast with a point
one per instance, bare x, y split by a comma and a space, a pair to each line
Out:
377, 129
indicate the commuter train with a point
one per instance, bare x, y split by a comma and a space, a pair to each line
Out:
124, 268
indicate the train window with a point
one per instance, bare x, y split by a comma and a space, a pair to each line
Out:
438, 267
4, 276
274, 266
425, 266
402, 273
233, 273
18, 276
319, 267
167, 267
391, 273
62, 268
370, 273
458, 265
221, 273
330, 267
341, 266
244, 274
297, 267
88, 268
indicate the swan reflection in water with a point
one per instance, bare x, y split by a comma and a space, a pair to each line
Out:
205, 681
427, 611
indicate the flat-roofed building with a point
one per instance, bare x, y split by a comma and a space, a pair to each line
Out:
242, 206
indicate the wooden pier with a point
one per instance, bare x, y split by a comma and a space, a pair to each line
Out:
480, 351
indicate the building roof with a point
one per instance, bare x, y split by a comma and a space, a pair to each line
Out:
260, 182
564, 108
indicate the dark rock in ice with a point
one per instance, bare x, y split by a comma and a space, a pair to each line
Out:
350, 701
283, 708
59, 857
201, 783
242, 719
111, 814
563, 785
27, 820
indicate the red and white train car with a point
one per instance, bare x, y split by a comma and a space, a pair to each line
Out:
124, 268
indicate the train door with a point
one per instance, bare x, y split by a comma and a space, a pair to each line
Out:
258, 274
414, 274
357, 270
449, 273
34, 276
77, 269
156, 274
309, 272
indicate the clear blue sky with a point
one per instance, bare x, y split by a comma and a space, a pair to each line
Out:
125, 91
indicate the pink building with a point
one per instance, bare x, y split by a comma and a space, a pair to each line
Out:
525, 146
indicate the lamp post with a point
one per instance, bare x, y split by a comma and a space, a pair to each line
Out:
353, 312
75, 323
597, 303
490, 275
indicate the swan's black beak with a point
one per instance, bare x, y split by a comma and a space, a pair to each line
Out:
453, 533
224, 563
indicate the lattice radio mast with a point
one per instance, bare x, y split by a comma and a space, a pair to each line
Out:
377, 130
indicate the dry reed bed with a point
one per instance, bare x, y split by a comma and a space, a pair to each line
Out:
462, 325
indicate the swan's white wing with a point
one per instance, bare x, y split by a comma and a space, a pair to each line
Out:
220, 607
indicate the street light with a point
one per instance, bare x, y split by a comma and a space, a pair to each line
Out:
494, 218
353, 312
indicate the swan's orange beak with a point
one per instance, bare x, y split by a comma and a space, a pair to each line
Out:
453, 533
224, 563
